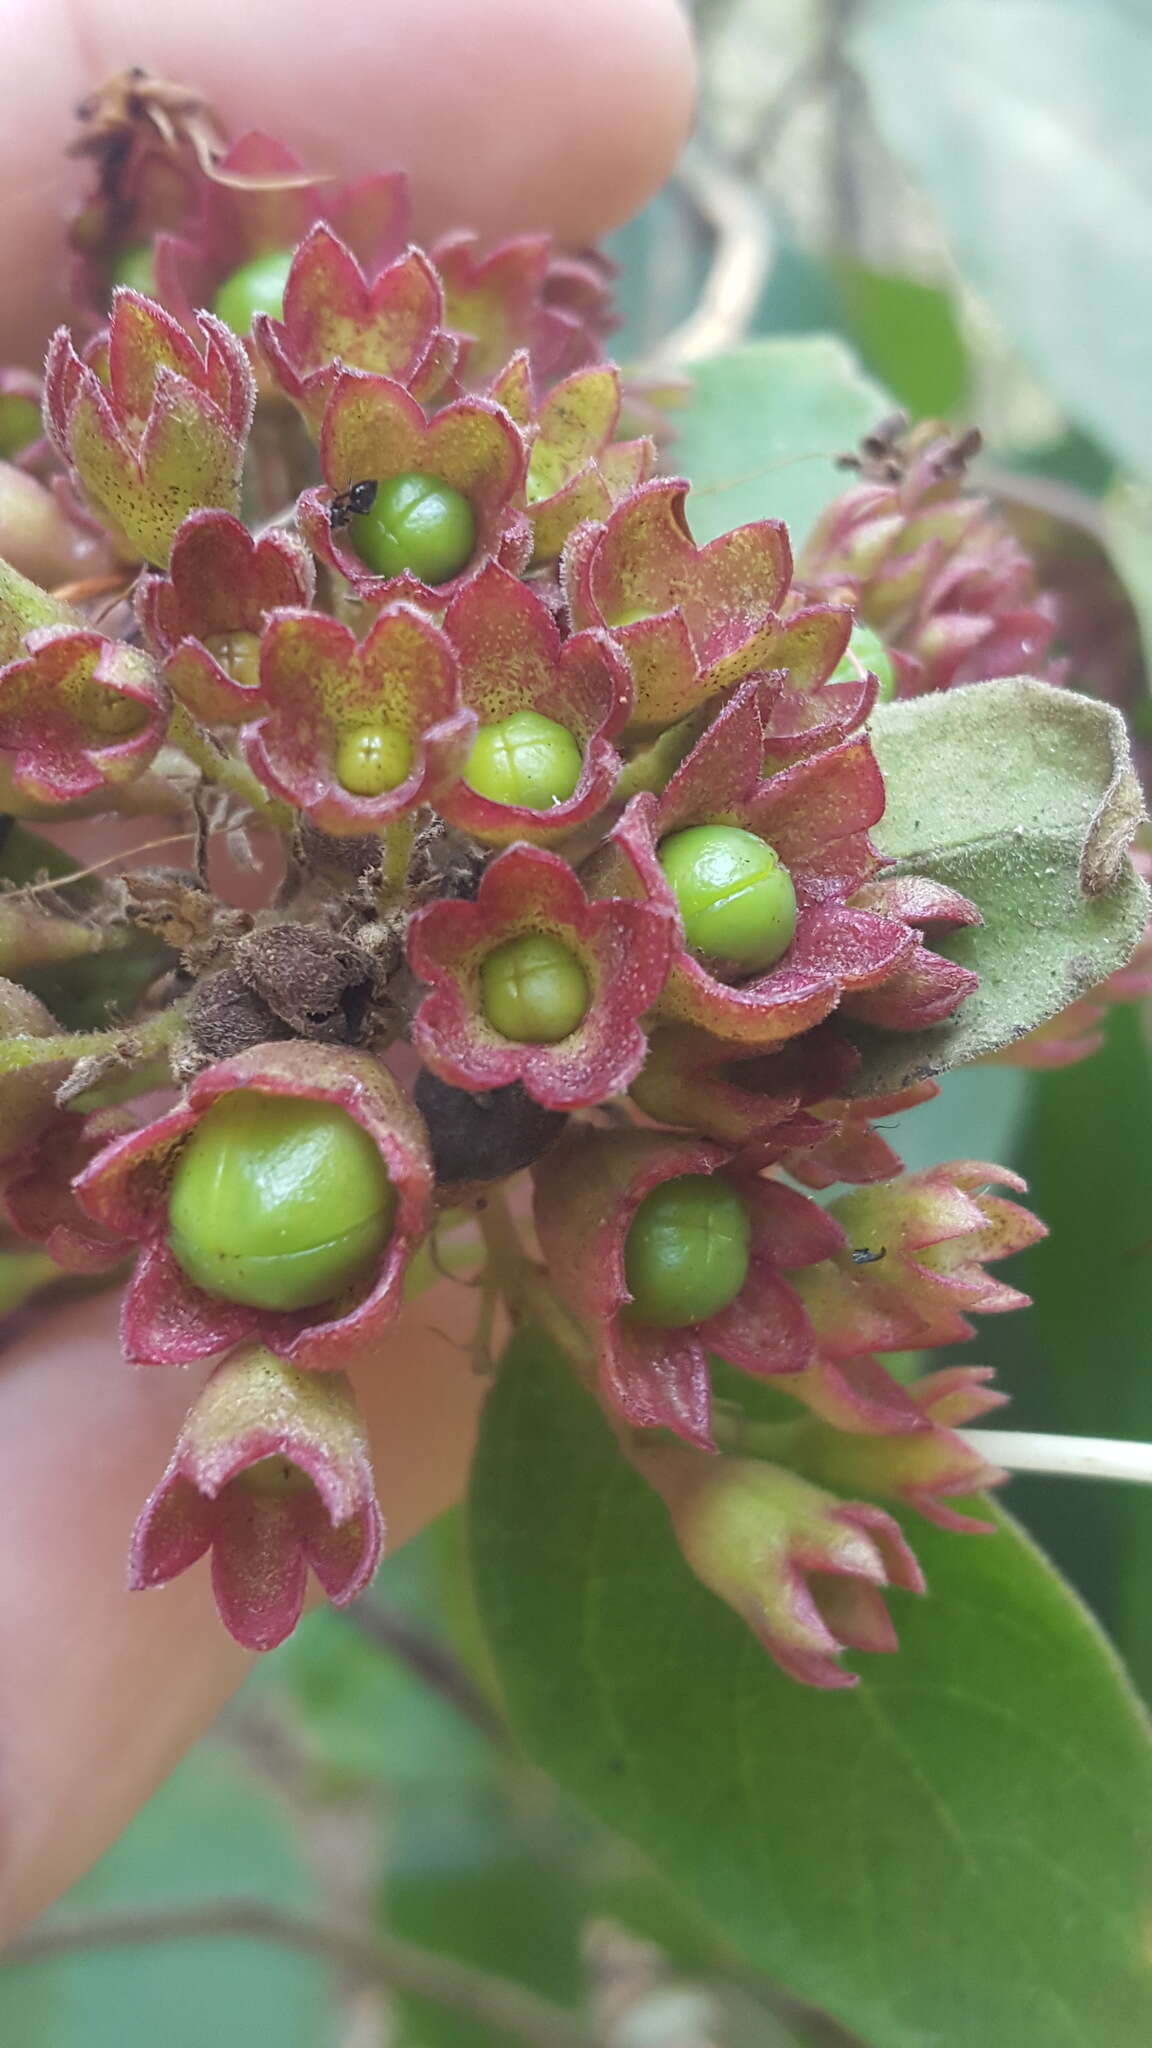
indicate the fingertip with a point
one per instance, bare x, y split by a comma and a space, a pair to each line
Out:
507, 117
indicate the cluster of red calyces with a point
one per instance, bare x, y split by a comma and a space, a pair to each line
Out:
573, 808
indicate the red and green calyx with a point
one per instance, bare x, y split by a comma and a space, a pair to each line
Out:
567, 810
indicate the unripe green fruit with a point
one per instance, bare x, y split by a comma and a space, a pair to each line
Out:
417, 523
107, 715
135, 266
686, 1253
534, 990
257, 287
275, 1478
373, 758
734, 895
19, 423
527, 760
238, 654
278, 1202
871, 653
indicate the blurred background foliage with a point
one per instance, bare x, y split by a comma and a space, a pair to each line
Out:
959, 192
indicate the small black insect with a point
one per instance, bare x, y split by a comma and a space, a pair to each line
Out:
350, 504
867, 1258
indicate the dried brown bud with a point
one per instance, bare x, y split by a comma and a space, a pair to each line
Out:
226, 1016
482, 1137
319, 985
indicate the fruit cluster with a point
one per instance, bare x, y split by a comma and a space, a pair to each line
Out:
563, 822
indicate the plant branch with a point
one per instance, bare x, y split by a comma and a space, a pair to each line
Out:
524, 1284
741, 261
224, 770
514, 2014
1073, 1457
432, 1663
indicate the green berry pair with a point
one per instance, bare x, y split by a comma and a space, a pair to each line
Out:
525, 760
254, 287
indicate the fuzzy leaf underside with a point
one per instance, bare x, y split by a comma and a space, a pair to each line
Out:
1022, 797
958, 1853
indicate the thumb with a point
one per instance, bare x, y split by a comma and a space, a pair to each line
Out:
101, 1690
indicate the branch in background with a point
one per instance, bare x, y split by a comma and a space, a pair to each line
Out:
847, 114
432, 1663
1050, 495
514, 2014
741, 260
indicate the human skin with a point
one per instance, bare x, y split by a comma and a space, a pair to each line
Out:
508, 115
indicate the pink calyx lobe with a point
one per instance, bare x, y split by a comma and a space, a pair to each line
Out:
272, 1474
622, 947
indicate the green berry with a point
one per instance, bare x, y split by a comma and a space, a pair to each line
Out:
734, 895
238, 654
257, 287
19, 423
533, 989
416, 523
686, 1253
527, 760
870, 653
107, 714
278, 1202
135, 266
373, 758
276, 1478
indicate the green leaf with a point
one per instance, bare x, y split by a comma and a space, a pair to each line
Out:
1023, 798
1081, 1359
1026, 121
761, 432
907, 335
958, 1853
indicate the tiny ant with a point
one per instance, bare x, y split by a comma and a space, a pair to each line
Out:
867, 1258
350, 504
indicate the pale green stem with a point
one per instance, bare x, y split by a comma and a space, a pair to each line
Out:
1070, 1457
525, 1285
397, 847
224, 770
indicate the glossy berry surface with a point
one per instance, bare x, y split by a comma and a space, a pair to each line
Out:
135, 266
527, 760
533, 989
256, 287
19, 424
373, 758
686, 1252
733, 893
278, 1202
238, 654
416, 523
866, 650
